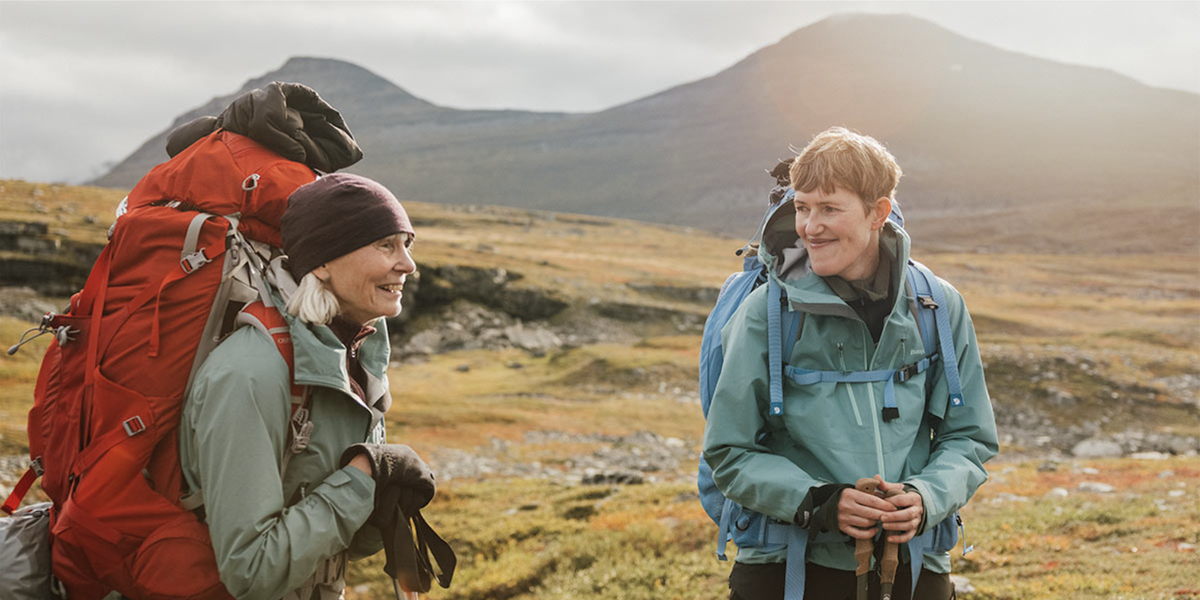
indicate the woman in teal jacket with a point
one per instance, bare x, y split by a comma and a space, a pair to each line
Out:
285, 510
841, 262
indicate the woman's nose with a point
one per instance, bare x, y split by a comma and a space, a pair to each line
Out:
812, 224
406, 264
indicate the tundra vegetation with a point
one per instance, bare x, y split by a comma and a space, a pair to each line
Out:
546, 367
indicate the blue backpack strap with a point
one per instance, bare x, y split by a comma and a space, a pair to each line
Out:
775, 346
793, 582
922, 312
945, 335
723, 528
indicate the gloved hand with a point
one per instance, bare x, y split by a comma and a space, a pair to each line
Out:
401, 479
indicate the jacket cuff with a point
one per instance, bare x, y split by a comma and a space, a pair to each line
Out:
908, 487
819, 508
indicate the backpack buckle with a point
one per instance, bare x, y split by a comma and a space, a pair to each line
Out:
194, 261
927, 302
906, 372
134, 426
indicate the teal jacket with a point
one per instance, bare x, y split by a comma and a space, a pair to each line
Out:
834, 432
271, 533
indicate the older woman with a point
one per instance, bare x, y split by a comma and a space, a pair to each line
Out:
282, 522
842, 264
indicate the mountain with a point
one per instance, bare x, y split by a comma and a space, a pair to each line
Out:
998, 148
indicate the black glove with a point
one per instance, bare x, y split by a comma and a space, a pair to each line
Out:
819, 510
401, 479
403, 486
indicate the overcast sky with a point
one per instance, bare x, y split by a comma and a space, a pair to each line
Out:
82, 85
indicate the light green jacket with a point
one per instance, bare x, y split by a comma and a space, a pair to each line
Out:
834, 432
271, 535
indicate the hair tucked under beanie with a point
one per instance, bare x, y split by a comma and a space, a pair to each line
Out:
336, 215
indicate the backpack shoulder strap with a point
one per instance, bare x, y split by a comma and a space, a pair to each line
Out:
268, 320
933, 317
775, 300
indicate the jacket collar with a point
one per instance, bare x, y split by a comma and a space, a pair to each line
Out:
805, 290
320, 359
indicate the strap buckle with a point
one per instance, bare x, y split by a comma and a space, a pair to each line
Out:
927, 302
906, 372
134, 425
194, 261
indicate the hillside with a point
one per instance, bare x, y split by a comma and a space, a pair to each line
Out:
546, 368
990, 140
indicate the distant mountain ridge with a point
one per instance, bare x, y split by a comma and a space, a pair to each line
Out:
997, 147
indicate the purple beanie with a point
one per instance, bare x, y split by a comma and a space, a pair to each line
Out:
336, 215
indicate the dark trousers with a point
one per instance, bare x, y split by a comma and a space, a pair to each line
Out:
765, 582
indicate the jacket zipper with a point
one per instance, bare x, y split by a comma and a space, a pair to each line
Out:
849, 386
875, 414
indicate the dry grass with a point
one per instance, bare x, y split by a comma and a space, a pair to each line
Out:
1089, 325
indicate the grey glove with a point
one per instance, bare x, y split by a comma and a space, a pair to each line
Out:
401, 479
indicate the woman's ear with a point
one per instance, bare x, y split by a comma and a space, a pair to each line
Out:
883, 208
321, 273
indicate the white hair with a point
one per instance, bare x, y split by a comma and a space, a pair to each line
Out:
313, 302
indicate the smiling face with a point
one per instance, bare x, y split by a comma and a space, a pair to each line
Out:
368, 281
840, 233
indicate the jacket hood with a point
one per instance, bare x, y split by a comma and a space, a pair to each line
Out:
786, 259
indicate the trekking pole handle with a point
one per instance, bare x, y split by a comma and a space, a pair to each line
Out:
863, 549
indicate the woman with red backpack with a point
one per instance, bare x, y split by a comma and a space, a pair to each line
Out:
289, 493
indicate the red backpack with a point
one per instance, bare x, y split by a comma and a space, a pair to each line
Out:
189, 253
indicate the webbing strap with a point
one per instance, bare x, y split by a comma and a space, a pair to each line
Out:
724, 529
774, 346
921, 313
808, 377
916, 554
797, 545
796, 539
945, 336
22, 488
192, 238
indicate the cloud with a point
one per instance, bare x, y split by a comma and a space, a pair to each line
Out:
82, 83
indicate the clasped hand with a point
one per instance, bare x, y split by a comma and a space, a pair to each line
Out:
859, 513
401, 478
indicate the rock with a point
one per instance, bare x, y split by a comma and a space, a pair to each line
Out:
1048, 467
462, 368
1096, 487
1097, 448
1166, 474
512, 364
1089, 471
962, 585
1149, 456
1185, 547
533, 339
1058, 493
24, 304
593, 477
1001, 498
